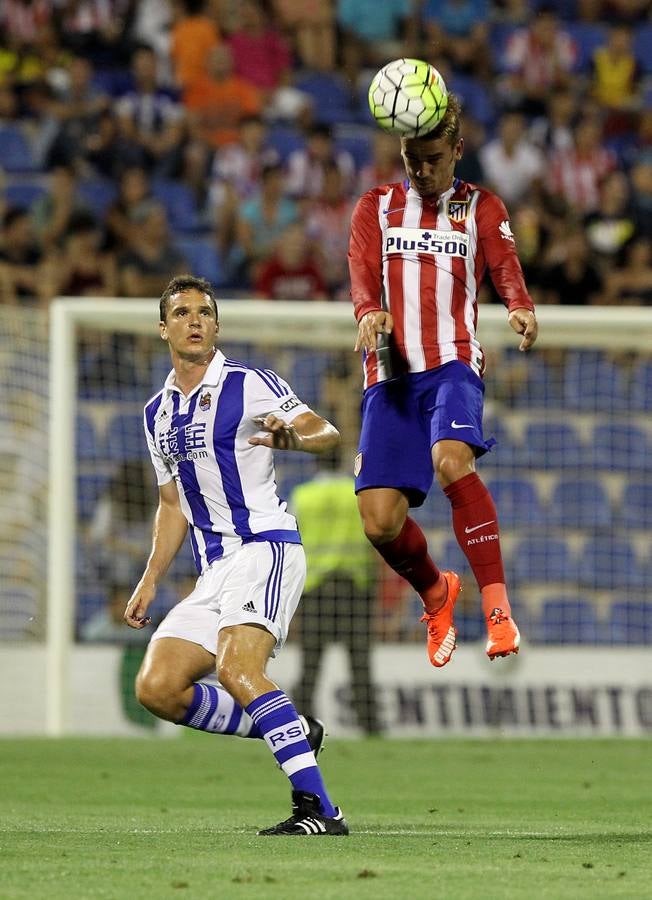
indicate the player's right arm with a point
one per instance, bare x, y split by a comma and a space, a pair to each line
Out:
365, 269
170, 527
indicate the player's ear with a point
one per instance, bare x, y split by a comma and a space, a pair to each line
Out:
163, 330
459, 149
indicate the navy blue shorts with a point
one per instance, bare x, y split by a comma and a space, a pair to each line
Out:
404, 417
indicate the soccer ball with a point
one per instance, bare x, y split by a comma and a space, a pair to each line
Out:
408, 97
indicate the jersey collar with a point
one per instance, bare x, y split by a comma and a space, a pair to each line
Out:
211, 377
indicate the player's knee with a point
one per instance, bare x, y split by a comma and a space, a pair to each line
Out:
381, 526
233, 677
450, 467
156, 693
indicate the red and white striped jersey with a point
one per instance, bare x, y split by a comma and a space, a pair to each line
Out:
423, 260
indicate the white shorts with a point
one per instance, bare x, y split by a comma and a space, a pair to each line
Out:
259, 584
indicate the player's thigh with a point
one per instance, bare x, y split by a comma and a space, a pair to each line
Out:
383, 509
455, 408
174, 663
394, 448
264, 588
243, 649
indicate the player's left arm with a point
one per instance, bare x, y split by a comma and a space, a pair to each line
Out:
285, 421
499, 248
308, 432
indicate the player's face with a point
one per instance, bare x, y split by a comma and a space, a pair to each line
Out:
430, 164
191, 326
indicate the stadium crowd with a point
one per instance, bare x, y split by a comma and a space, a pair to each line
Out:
141, 138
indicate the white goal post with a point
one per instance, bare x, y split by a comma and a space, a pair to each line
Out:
317, 325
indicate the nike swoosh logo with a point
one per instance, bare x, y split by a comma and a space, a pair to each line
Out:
455, 425
468, 530
398, 209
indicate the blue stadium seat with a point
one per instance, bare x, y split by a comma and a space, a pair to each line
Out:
22, 194
517, 501
636, 509
125, 438
476, 100
621, 447
307, 373
89, 489
593, 383
553, 445
332, 99
568, 620
641, 387
538, 558
453, 558
542, 383
203, 258
435, 511
499, 35
179, 203
630, 622
86, 442
610, 563
97, 195
285, 140
356, 140
507, 452
15, 150
587, 36
643, 45
580, 503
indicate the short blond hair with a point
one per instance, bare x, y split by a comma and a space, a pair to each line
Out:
448, 127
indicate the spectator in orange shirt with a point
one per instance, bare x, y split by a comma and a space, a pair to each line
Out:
218, 100
193, 36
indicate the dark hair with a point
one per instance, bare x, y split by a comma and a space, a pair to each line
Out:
448, 127
14, 214
182, 283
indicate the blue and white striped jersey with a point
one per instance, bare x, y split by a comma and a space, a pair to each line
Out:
227, 486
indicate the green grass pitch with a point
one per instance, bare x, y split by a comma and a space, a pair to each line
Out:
162, 818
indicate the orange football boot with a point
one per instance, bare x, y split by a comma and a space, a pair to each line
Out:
441, 630
504, 637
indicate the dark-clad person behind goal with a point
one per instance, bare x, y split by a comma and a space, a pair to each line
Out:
418, 251
211, 433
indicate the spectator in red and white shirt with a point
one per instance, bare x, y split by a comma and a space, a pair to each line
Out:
539, 59
418, 252
575, 174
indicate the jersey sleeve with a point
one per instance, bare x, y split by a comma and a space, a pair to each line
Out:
267, 392
499, 249
163, 473
365, 256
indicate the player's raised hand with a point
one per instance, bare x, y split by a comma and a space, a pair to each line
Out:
376, 322
524, 322
279, 435
135, 614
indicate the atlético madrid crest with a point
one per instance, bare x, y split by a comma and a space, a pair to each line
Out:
205, 401
357, 464
457, 210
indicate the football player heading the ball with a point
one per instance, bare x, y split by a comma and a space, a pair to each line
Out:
417, 255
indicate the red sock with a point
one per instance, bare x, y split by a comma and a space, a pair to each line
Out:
475, 523
408, 555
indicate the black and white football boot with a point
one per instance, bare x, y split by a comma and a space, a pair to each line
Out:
315, 733
307, 818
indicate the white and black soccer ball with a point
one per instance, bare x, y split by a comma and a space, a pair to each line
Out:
408, 97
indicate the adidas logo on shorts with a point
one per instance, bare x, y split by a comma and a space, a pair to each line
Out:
249, 607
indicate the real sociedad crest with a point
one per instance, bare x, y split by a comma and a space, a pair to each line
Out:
457, 210
205, 401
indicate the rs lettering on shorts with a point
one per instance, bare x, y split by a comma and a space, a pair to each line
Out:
426, 240
289, 735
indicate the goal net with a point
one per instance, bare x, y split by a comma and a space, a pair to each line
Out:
570, 475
